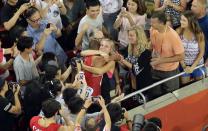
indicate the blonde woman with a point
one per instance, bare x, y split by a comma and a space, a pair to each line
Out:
138, 59
96, 65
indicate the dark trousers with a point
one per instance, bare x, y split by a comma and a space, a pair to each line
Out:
166, 87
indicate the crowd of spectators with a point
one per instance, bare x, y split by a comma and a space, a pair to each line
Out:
60, 59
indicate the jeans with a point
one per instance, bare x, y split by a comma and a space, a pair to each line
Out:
109, 20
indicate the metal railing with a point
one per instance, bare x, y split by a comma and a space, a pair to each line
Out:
158, 83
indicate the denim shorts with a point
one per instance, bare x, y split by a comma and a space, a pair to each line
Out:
195, 73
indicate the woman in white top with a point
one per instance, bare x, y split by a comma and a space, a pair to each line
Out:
51, 11
194, 45
111, 9
135, 15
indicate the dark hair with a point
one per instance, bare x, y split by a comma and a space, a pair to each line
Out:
54, 86
50, 107
50, 69
68, 93
92, 3
29, 12
141, 7
150, 126
115, 112
2, 82
24, 42
47, 56
160, 15
34, 95
94, 43
193, 24
156, 121
75, 104
16, 32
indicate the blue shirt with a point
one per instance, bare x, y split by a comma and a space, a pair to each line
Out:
203, 22
51, 44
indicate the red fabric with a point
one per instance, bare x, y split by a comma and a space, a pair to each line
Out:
1, 59
92, 79
124, 128
189, 114
36, 127
2, 29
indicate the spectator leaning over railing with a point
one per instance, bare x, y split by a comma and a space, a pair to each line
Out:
167, 52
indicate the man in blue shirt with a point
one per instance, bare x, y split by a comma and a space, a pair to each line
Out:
199, 9
44, 35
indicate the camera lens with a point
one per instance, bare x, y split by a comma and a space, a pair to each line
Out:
138, 122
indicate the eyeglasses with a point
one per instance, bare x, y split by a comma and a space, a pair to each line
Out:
35, 21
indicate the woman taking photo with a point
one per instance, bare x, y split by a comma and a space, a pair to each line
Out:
135, 15
194, 44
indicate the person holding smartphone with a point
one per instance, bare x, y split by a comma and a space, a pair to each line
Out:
50, 108
133, 15
8, 109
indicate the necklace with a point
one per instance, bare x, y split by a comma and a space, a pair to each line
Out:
157, 42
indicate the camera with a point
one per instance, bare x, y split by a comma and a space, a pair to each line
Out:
48, 25
95, 99
123, 111
74, 60
138, 122
12, 85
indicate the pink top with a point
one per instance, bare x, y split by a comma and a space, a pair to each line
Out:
139, 20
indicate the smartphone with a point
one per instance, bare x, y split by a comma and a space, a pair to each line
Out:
123, 9
95, 98
48, 25
32, 1
81, 75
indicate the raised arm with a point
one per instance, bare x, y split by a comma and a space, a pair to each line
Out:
109, 66
9, 24
179, 8
92, 52
81, 33
106, 114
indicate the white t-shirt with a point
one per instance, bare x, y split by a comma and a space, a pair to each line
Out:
111, 6
53, 15
94, 24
